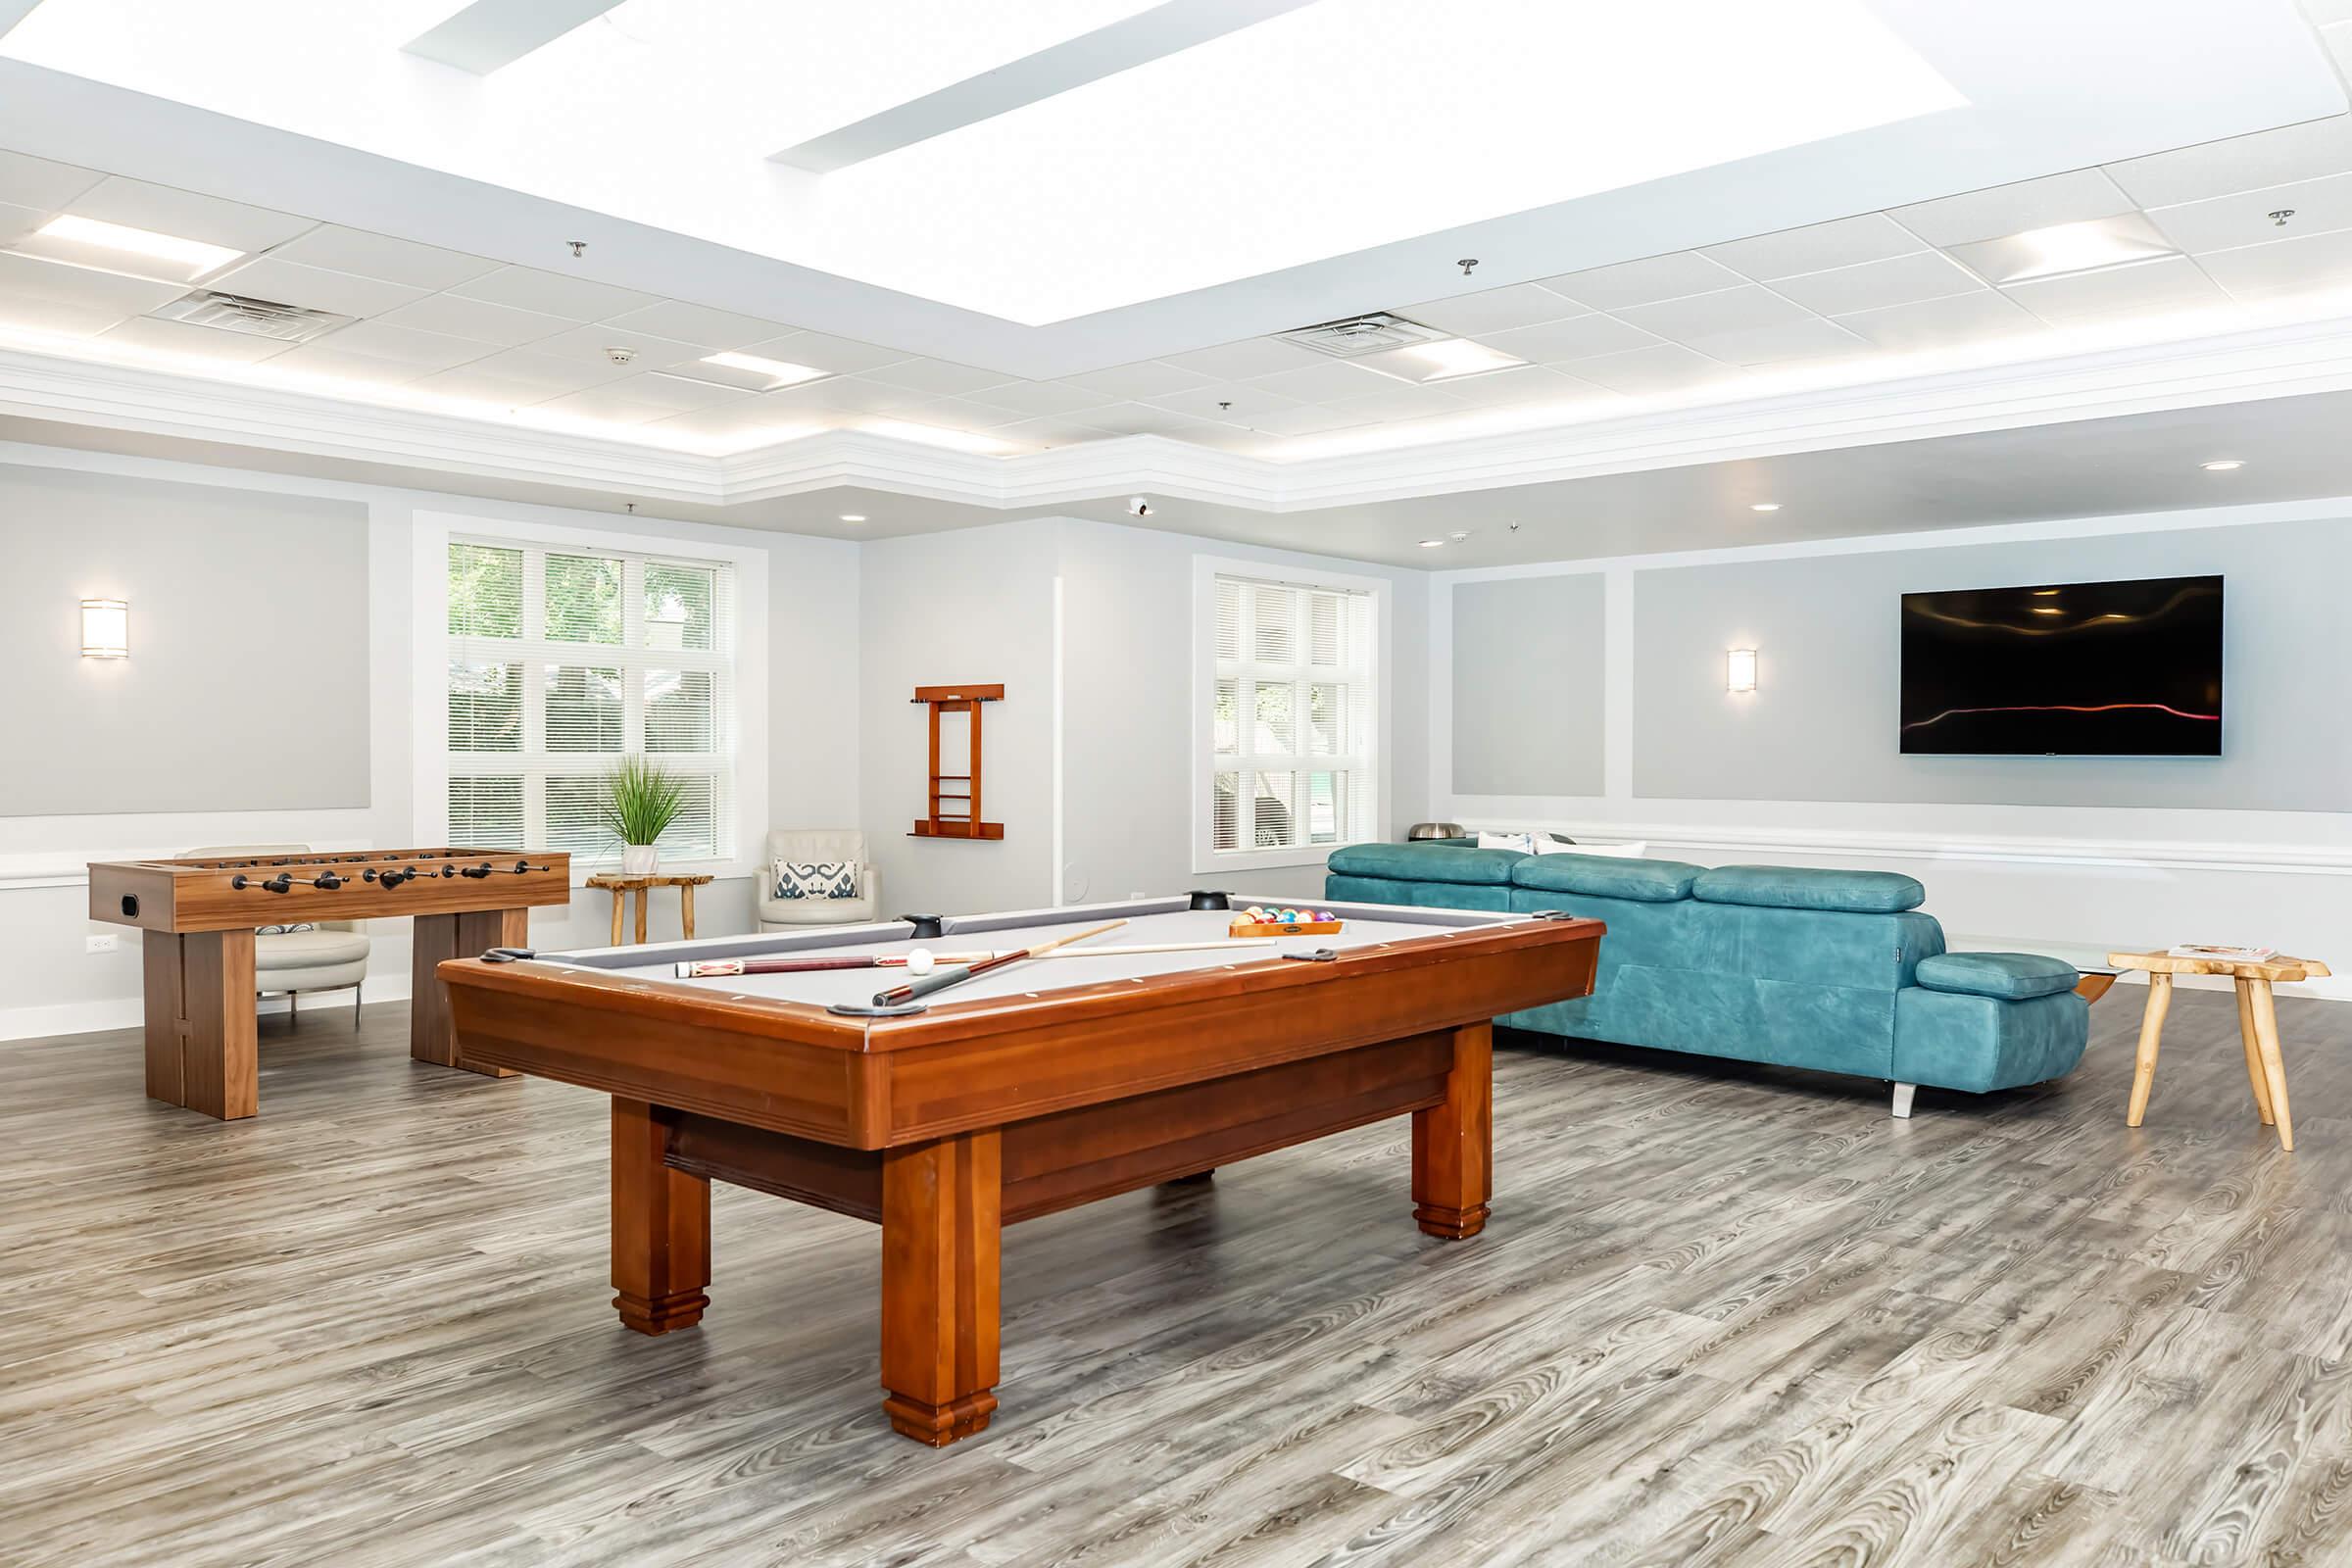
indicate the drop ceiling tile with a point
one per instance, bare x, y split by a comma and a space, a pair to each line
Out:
2068, 198
1731, 309
678, 392
1847, 242
39, 183
1580, 337
1872, 285
1931, 326
323, 359
848, 394
28, 313
1644, 282
965, 414
1142, 419
476, 386
1039, 398
2224, 222
194, 342
549, 373
1526, 383
1240, 361
935, 376
1668, 368
2237, 163
1787, 343
1495, 311
402, 345
1400, 402
594, 345
184, 215
83, 287
454, 315
697, 323
1230, 402
2320, 262
577, 298
379, 256
605, 405
2168, 283
314, 287
755, 420
1051, 431
836, 356
1322, 383
1305, 419
18, 221
1149, 379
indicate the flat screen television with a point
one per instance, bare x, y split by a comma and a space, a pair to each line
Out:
2066, 669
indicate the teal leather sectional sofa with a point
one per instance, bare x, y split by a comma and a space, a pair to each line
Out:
1805, 968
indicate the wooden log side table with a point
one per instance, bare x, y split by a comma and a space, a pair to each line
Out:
2257, 1025
643, 886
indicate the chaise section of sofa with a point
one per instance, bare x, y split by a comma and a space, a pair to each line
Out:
1800, 966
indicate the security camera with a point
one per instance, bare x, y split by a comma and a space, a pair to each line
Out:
1138, 506
620, 355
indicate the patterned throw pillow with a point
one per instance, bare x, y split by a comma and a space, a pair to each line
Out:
815, 879
284, 930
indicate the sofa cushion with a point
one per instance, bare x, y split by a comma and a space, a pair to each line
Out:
1426, 863
2010, 976
1602, 876
1805, 887
307, 950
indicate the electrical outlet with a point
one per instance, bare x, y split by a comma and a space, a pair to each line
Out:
102, 941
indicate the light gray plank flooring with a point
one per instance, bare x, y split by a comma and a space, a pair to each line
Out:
1723, 1316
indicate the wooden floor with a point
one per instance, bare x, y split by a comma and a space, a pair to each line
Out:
1722, 1316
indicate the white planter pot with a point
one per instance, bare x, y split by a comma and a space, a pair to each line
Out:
639, 859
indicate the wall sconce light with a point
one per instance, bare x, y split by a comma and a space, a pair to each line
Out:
1739, 669
105, 628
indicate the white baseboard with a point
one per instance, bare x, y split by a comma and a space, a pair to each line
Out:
129, 1012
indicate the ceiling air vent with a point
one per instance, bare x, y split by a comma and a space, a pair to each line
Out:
234, 312
1361, 334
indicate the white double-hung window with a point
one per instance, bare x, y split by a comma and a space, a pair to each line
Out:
560, 658
1289, 761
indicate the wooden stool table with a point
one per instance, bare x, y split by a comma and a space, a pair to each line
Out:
2257, 1025
643, 886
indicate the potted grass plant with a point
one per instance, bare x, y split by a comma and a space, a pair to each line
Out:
642, 799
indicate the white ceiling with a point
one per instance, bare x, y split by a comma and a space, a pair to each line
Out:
466, 308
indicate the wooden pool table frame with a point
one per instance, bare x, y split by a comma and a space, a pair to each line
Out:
945, 1127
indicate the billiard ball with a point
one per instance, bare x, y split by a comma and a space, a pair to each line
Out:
920, 962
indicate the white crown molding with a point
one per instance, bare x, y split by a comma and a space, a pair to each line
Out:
2240, 366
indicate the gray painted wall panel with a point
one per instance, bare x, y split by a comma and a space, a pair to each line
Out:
1528, 685
1820, 726
247, 683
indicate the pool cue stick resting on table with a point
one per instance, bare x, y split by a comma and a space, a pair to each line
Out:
721, 968
940, 979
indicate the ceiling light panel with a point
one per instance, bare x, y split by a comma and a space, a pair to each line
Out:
1442, 361
2063, 249
116, 247
1500, 90
758, 373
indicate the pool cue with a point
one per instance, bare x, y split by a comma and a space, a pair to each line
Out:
940, 979
721, 968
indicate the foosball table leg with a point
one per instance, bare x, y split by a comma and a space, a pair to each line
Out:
432, 1037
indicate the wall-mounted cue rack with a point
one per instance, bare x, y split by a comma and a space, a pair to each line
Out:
956, 789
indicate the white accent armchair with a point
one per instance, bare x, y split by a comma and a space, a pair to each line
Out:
332, 956
803, 846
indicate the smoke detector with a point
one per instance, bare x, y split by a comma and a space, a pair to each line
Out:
235, 313
1363, 334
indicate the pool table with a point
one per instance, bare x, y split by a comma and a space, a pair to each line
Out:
1029, 1088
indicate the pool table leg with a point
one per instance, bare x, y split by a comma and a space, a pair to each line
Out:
942, 1221
660, 1226
1453, 1158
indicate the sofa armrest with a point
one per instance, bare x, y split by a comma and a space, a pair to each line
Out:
2002, 976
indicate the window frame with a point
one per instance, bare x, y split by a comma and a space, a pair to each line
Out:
741, 818
1206, 860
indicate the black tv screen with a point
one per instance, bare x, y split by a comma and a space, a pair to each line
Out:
2067, 670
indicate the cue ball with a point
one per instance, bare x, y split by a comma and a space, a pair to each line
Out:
920, 962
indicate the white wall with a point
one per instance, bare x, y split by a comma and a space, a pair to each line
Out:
2089, 875
49, 985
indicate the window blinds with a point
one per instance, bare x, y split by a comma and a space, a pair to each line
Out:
561, 661
1294, 754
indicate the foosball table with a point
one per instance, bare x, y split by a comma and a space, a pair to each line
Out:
199, 916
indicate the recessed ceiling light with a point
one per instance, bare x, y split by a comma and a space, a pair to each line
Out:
2047, 609
86, 241
1764, 506
1446, 359
779, 372
1431, 544
2223, 464
2065, 248
853, 516
1458, 535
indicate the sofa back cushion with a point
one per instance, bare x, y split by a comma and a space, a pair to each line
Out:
1810, 887
1609, 877
1429, 861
